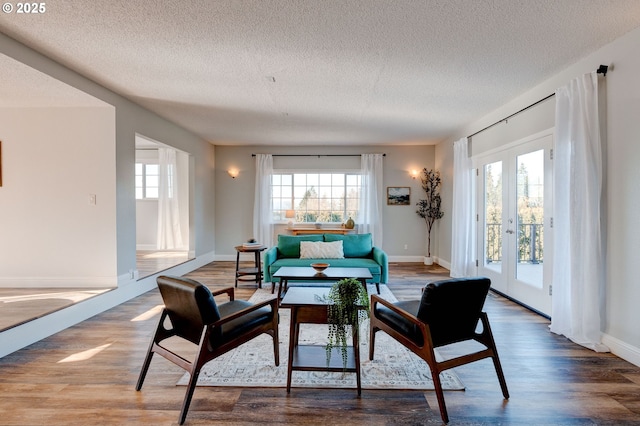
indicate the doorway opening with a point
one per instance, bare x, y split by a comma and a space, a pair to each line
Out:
163, 204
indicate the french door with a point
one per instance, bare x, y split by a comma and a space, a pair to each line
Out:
514, 221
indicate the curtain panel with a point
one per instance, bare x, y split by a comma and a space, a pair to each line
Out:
463, 230
262, 213
578, 253
169, 236
370, 215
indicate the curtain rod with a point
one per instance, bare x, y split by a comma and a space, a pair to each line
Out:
316, 155
515, 113
602, 69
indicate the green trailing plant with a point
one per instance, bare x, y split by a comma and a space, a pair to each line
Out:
430, 208
348, 306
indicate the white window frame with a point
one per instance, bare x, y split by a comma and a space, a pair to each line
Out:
144, 181
288, 196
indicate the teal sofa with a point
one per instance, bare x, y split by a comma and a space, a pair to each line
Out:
358, 249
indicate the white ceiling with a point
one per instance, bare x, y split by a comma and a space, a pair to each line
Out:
317, 71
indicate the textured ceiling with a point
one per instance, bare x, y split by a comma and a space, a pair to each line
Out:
320, 71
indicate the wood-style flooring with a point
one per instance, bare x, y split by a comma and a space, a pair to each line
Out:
21, 305
148, 262
86, 375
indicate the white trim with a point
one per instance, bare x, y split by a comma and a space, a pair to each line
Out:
58, 282
406, 259
442, 262
622, 349
26, 334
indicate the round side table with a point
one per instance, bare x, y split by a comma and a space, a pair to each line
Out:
249, 274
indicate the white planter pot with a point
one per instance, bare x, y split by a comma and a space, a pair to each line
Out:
428, 260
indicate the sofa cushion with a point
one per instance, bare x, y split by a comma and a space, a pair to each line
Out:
321, 250
354, 245
289, 245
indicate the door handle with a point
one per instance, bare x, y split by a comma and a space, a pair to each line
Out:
509, 231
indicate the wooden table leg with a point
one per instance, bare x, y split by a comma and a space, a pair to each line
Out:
237, 266
293, 340
356, 354
259, 266
283, 283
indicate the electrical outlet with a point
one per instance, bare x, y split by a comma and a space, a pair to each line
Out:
92, 199
406, 247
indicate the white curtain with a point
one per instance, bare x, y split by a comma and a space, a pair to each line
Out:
463, 231
262, 212
578, 253
169, 236
370, 215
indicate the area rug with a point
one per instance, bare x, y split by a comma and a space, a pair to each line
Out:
252, 364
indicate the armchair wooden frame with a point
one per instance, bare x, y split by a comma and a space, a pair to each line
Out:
206, 352
427, 353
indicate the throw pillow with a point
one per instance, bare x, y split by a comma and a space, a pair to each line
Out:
320, 250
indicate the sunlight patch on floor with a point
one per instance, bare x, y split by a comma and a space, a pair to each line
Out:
149, 314
85, 355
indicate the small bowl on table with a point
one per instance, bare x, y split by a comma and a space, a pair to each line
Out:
320, 266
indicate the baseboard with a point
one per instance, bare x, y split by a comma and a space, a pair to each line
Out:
30, 332
406, 259
622, 349
442, 263
59, 282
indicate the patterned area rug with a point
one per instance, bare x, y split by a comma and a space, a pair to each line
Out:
252, 364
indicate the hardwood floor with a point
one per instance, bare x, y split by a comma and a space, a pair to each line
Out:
20, 305
85, 375
148, 262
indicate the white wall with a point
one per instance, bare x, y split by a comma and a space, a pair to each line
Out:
401, 225
129, 120
622, 316
53, 158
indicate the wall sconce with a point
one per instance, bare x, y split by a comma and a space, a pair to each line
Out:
233, 173
414, 173
290, 214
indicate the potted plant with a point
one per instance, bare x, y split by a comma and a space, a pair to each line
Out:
429, 208
348, 305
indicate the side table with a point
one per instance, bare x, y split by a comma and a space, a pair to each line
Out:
308, 307
245, 274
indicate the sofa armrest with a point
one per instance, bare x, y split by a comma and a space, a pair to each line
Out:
381, 257
270, 256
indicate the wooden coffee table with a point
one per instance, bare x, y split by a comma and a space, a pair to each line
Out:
307, 273
308, 307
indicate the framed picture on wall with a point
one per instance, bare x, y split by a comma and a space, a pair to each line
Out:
398, 195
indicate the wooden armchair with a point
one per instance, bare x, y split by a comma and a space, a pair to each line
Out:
448, 312
194, 316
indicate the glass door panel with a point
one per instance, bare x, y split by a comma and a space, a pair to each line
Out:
492, 257
530, 217
513, 218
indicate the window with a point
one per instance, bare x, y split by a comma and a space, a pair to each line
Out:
316, 197
147, 181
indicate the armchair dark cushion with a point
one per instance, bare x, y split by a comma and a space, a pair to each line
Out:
448, 312
195, 316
